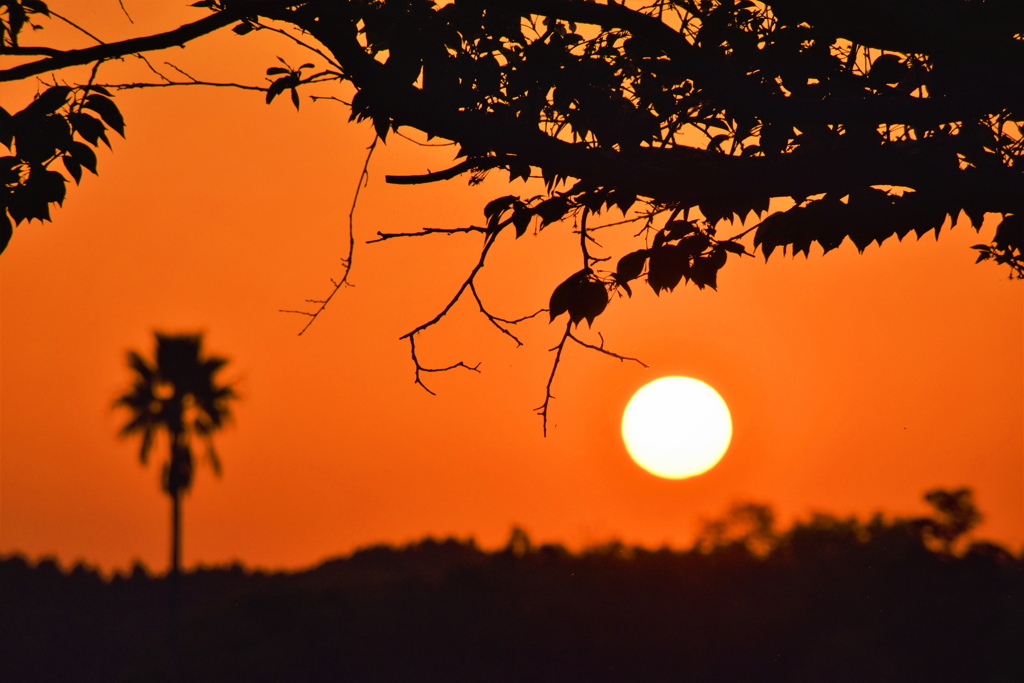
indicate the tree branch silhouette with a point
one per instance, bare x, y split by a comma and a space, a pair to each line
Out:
160, 41
795, 123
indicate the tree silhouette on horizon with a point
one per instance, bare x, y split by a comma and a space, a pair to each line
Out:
176, 394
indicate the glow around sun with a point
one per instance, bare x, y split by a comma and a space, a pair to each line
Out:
676, 427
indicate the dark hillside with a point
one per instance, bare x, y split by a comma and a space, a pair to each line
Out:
828, 600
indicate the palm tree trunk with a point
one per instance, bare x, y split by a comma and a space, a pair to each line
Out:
174, 605
175, 533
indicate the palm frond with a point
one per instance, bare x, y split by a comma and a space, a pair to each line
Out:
176, 393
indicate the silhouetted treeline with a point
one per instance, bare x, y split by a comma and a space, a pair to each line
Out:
829, 599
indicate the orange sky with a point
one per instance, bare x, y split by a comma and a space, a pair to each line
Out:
856, 382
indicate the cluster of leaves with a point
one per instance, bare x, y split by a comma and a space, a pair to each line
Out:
17, 14
1007, 246
61, 123
681, 250
775, 90
289, 79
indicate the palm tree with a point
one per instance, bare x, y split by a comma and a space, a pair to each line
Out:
178, 395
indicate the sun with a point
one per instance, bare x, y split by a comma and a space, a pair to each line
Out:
676, 427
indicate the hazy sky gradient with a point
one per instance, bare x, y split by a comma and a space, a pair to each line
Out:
856, 382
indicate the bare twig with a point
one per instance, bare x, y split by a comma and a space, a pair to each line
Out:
558, 348
501, 322
327, 58
567, 335
605, 351
76, 27
420, 368
488, 243
171, 84
381, 236
346, 261
125, 10
468, 284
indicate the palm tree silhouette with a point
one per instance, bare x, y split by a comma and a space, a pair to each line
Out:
178, 395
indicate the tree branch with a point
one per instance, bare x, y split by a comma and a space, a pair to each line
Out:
159, 41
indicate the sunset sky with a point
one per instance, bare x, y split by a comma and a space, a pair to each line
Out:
856, 382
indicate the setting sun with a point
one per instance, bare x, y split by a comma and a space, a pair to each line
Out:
676, 427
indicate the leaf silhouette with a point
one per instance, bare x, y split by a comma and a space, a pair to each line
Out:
630, 266
107, 110
564, 294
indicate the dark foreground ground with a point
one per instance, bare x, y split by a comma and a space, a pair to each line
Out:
829, 600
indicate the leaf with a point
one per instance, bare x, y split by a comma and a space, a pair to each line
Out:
37, 6
1010, 233
666, 267
107, 110
10, 170
516, 171
733, 247
32, 200
381, 126
521, 218
243, 28
496, 206
50, 185
277, 71
678, 229
623, 200
887, 70
275, 89
295, 98
91, 129
83, 155
42, 137
6, 231
704, 272
73, 167
774, 231
630, 266
95, 88
551, 210
564, 293
48, 102
589, 300
6, 128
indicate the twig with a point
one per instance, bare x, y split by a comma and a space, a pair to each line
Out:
170, 84
488, 243
496, 321
346, 261
543, 409
420, 368
76, 26
309, 47
381, 236
123, 9
568, 335
605, 351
